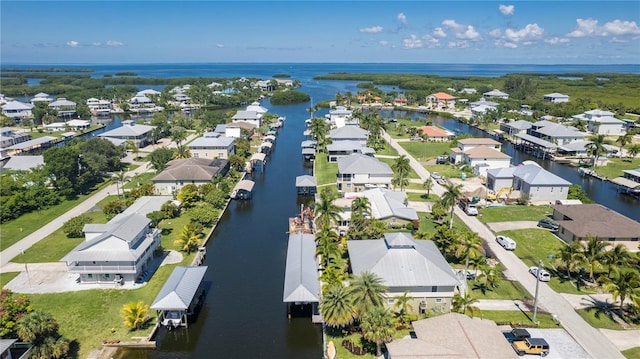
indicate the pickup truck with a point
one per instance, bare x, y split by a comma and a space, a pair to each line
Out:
468, 207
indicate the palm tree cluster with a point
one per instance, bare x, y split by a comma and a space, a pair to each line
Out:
135, 315
621, 279
41, 330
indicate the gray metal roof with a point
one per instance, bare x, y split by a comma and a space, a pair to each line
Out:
536, 140
387, 203
348, 132
246, 115
301, 283
24, 163
538, 176
17, 105
127, 130
402, 261
211, 142
346, 145
519, 125
362, 164
306, 181
559, 131
34, 142
180, 289
245, 185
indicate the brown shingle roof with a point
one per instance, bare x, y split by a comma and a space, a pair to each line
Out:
478, 141
485, 152
595, 220
192, 169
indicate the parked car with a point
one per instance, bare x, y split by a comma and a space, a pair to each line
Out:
442, 159
542, 274
517, 334
506, 242
548, 224
435, 175
537, 346
417, 138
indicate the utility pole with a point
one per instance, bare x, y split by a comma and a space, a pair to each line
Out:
535, 303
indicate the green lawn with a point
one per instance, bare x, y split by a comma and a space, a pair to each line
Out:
540, 244
447, 171
633, 353
324, 172
356, 338
139, 179
390, 161
5, 278
429, 226
423, 151
520, 318
597, 318
422, 197
387, 150
513, 213
506, 290
615, 166
15, 230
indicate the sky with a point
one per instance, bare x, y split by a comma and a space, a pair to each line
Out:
418, 31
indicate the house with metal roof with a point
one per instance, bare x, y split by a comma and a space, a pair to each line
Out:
8, 137
181, 296
452, 336
539, 184
391, 207
343, 148
41, 97
306, 185
17, 110
515, 127
140, 135
602, 122
555, 133
496, 94
255, 106
63, 107
301, 278
576, 222
181, 172
349, 133
212, 147
358, 172
120, 250
404, 263
252, 117
556, 98
24, 163
339, 116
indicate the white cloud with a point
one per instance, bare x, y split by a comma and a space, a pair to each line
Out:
439, 32
97, 44
463, 32
506, 9
402, 18
114, 43
495, 33
73, 44
460, 44
619, 29
510, 45
219, 45
412, 42
557, 40
383, 43
373, 29
530, 33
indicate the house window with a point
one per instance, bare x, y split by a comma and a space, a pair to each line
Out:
196, 155
89, 275
612, 239
391, 300
634, 239
439, 300
434, 288
106, 275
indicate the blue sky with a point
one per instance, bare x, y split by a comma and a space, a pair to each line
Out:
446, 31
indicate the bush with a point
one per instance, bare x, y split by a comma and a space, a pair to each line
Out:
289, 97
73, 227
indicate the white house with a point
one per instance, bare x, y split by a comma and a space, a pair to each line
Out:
99, 107
556, 97
602, 122
63, 107
496, 94
41, 97
555, 133
252, 117
212, 147
539, 184
358, 172
140, 135
339, 116
17, 110
255, 106
515, 127
480, 159
467, 144
72, 125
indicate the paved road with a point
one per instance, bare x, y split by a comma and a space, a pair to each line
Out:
594, 342
23, 245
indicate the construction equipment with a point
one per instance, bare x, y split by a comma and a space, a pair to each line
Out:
492, 196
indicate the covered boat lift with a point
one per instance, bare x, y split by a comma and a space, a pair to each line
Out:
301, 283
177, 298
306, 185
258, 158
243, 190
536, 146
265, 147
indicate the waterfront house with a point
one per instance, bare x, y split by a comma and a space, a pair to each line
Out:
556, 98
8, 137
120, 250
140, 135
441, 100
63, 107
234, 129
602, 122
252, 117
390, 207
340, 116
24, 163
99, 107
496, 94
37, 144
436, 134
71, 125
555, 133
340, 149
181, 172
406, 264
141, 103
17, 110
358, 172
41, 97
255, 106
482, 158
352, 133
457, 153
537, 183
212, 147
515, 127
452, 336
576, 222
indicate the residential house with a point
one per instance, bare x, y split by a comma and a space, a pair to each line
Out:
234, 129
63, 107
602, 122
405, 264
8, 137
391, 207
351, 133
515, 127
140, 135
482, 158
436, 134
338, 149
99, 107
465, 144
24, 163
555, 133
255, 106
537, 183
41, 97
340, 116
148, 92
71, 125
441, 100
358, 172
452, 336
120, 250
17, 110
480, 108
141, 103
577, 222
252, 117
212, 147
496, 94
556, 97
181, 172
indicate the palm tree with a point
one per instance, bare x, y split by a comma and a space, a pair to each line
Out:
626, 284
360, 208
367, 291
593, 251
377, 326
190, 238
182, 151
325, 211
463, 303
36, 326
327, 247
570, 256
490, 276
120, 178
178, 134
633, 150
469, 245
450, 198
596, 148
401, 168
135, 315
337, 306
428, 185
624, 139
615, 258
403, 303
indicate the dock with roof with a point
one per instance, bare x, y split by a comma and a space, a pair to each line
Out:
180, 296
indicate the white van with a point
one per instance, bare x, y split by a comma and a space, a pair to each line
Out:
506, 243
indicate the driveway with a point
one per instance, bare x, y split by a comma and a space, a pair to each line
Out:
496, 227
